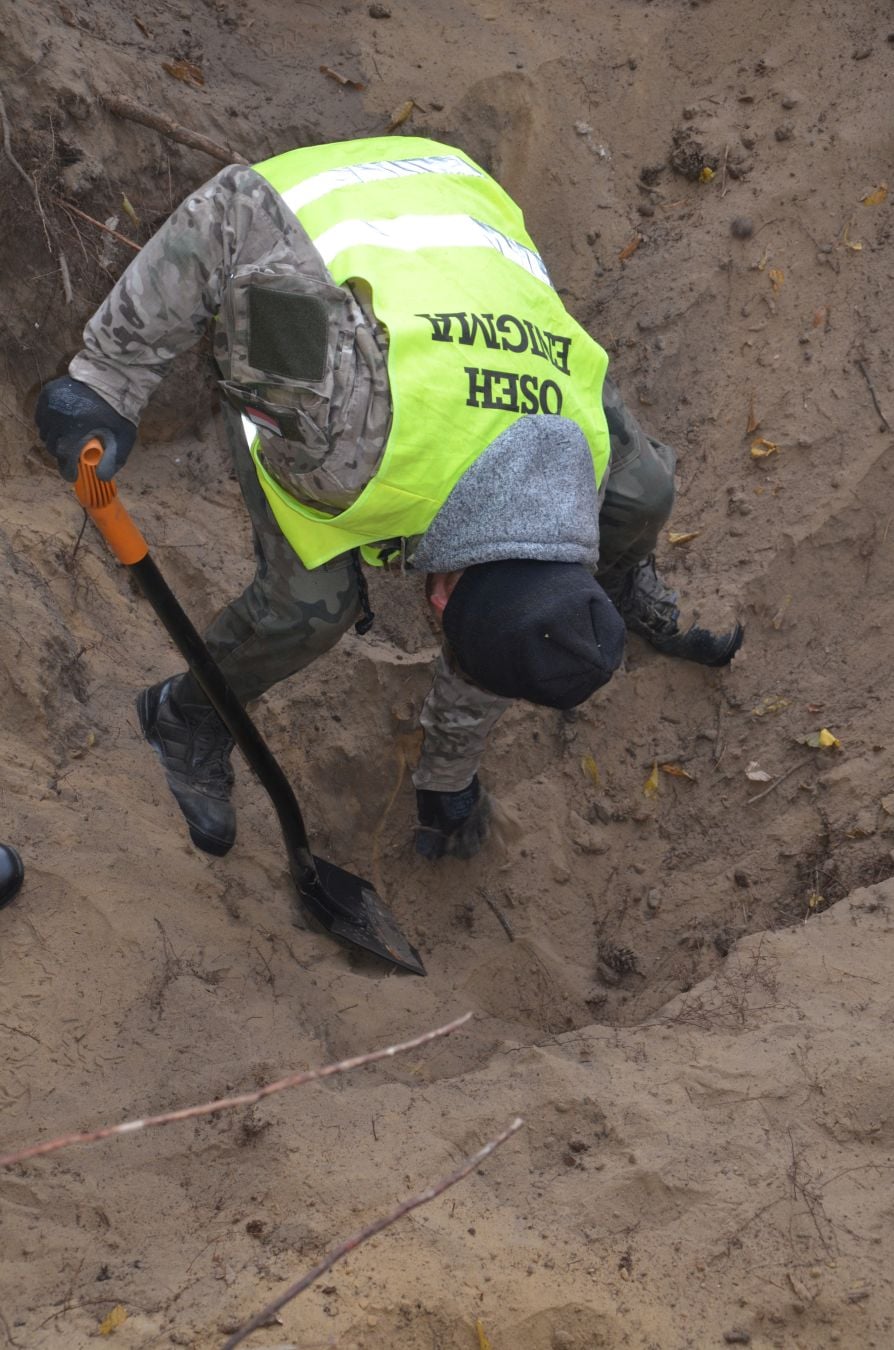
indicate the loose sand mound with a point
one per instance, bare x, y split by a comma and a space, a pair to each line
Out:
692, 1011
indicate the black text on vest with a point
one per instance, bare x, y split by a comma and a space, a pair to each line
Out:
510, 392
503, 332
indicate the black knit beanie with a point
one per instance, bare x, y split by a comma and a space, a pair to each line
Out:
545, 632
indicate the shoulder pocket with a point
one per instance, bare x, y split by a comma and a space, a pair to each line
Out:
284, 329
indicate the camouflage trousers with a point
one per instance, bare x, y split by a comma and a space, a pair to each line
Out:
289, 615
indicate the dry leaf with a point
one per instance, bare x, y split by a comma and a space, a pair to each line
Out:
877, 196
814, 900
483, 1339
400, 115
761, 448
821, 740
184, 70
770, 703
630, 248
113, 1320
684, 538
821, 317
780, 613
341, 79
147, 32
848, 242
887, 805
753, 420
676, 771
756, 773
591, 769
706, 175
777, 277
650, 787
128, 210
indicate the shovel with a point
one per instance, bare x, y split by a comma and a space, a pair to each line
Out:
346, 906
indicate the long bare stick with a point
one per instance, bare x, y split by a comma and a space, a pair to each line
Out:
227, 1103
53, 244
75, 211
861, 366
749, 801
370, 1231
125, 107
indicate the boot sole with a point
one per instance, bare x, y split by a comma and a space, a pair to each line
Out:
147, 710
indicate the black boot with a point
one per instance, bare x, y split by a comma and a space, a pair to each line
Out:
455, 823
194, 747
12, 874
650, 609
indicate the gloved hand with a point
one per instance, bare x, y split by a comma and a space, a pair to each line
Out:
68, 414
455, 823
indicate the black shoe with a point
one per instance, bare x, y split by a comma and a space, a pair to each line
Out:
194, 747
650, 609
455, 823
12, 874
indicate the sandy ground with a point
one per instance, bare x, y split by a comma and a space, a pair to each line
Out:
694, 1010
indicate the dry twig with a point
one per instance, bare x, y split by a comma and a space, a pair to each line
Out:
499, 916
349, 1244
75, 211
125, 107
861, 366
53, 245
781, 779
226, 1103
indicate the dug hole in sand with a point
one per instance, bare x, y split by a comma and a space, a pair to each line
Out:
678, 946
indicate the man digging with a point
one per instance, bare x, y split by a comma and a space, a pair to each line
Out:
401, 384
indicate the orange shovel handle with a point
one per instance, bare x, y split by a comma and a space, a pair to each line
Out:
101, 502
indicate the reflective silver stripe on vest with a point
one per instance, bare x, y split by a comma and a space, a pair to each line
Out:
411, 233
331, 179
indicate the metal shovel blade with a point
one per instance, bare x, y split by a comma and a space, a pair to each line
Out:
349, 908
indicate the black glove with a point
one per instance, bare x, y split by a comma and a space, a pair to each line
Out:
452, 822
68, 414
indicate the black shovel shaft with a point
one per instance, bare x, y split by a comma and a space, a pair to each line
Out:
233, 715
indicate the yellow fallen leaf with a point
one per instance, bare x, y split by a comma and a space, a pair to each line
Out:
591, 769
650, 787
777, 277
814, 900
676, 771
770, 703
113, 1320
822, 740
127, 208
483, 1339
400, 115
848, 242
876, 197
761, 448
684, 538
706, 175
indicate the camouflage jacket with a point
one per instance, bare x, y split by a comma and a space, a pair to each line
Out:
194, 273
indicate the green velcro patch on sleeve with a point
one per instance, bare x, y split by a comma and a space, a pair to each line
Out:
288, 333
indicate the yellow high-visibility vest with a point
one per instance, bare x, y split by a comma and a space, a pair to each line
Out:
478, 336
